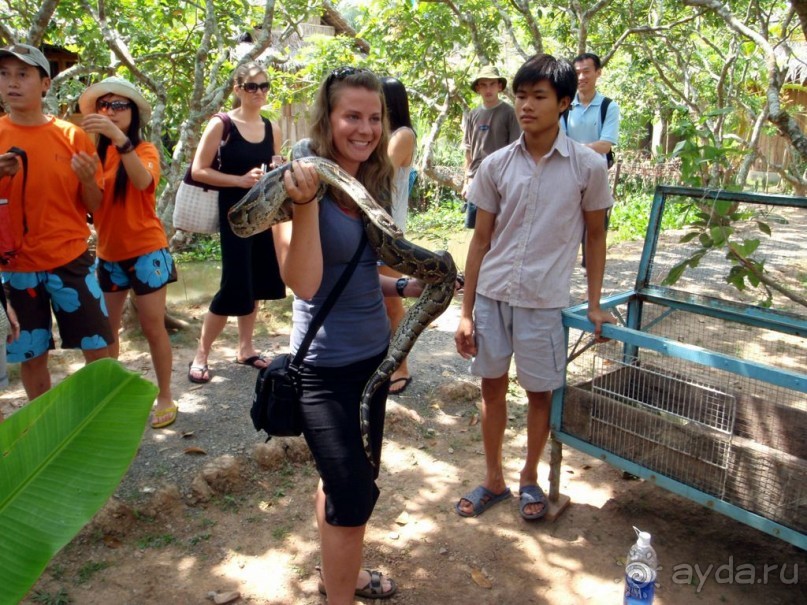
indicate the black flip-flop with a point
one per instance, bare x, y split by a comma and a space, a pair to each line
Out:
204, 373
253, 361
405, 381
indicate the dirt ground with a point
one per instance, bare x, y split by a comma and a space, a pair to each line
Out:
207, 510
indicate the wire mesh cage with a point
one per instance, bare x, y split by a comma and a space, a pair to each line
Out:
704, 383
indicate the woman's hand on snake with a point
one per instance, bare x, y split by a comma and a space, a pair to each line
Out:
301, 181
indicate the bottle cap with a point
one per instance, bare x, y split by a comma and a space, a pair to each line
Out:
643, 537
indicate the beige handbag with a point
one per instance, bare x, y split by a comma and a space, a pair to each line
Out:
196, 206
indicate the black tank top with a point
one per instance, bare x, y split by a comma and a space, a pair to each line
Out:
239, 156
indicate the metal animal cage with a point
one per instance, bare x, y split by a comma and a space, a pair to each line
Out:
702, 387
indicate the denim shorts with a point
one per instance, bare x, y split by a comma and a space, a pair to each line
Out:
144, 274
533, 337
73, 294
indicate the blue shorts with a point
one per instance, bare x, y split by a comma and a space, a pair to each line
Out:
144, 274
73, 294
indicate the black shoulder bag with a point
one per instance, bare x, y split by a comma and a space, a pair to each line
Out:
276, 403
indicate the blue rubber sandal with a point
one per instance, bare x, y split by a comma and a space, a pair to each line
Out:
481, 499
532, 494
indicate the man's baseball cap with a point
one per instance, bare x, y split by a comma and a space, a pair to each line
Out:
488, 72
27, 54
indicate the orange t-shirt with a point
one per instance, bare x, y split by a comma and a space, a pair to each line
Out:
48, 225
130, 227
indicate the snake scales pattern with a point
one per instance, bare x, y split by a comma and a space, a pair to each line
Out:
267, 204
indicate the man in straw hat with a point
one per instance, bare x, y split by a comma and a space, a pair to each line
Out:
486, 128
54, 179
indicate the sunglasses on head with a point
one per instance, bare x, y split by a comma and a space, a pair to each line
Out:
340, 73
114, 105
254, 86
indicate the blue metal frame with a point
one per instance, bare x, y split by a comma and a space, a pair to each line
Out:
634, 338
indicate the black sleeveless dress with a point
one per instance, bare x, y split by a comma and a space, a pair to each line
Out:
249, 269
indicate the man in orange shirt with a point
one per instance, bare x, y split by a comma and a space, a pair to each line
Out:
50, 177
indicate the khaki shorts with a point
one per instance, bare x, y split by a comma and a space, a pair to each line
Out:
533, 336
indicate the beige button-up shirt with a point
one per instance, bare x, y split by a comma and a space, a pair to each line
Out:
539, 219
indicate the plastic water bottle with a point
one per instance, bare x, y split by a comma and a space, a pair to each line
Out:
640, 571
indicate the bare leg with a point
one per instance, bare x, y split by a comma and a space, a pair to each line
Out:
95, 354
211, 328
494, 421
115, 302
537, 434
246, 328
151, 311
341, 557
35, 376
395, 312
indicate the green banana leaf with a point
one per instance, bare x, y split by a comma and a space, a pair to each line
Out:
61, 458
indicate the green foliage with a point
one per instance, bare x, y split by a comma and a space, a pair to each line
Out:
156, 541
199, 538
76, 441
202, 248
631, 213
713, 227
58, 598
441, 218
89, 569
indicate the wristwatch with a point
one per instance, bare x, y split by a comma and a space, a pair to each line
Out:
400, 286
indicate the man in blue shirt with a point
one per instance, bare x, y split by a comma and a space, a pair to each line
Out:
584, 122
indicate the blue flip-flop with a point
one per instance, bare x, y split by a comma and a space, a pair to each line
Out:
481, 499
532, 494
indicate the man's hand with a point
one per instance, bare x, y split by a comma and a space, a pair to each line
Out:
599, 317
466, 187
9, 164
13, 322
464, 338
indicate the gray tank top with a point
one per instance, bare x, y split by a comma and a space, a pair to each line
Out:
357, 327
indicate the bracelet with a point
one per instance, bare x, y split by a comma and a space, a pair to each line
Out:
127, 147
400, 286
304, 203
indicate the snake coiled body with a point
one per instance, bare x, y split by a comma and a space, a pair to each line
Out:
267, 204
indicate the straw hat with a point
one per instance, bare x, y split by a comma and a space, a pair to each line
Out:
488, 72
116, 86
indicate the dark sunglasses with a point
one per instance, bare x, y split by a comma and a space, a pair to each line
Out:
114, 105
254, 86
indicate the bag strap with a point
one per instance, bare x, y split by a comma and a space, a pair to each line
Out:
225, 135
20, 153
604, 111
319, 318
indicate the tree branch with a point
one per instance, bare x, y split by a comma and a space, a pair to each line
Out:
41, 21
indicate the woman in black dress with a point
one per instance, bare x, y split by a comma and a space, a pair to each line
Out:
249, 270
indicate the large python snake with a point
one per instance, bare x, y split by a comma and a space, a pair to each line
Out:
267, 203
